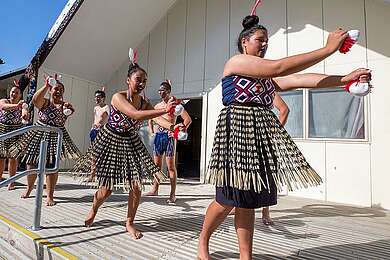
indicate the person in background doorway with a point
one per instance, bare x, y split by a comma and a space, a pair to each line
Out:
164, 144
100, 116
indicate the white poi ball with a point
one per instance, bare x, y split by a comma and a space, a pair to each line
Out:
67, 111
359, 89
178, 109
52, 81
354, 34
182, 136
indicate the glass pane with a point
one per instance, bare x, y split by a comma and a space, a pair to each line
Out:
294, 100
333, 113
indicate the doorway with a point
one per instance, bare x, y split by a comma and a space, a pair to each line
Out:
188, 151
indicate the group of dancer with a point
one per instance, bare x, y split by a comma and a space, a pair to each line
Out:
26, 147
252, 157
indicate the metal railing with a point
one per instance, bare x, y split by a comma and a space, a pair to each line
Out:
41, 170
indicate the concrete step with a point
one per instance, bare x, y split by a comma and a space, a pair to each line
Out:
7, 252
18, 242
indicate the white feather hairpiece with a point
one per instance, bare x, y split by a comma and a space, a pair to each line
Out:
132, 55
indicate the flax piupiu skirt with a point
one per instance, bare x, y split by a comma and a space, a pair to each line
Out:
120, 160
27, 148
7, 144
253, 157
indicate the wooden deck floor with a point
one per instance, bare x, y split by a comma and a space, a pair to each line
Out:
304, 229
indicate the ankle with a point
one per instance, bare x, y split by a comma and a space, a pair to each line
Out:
204, 238
94, 209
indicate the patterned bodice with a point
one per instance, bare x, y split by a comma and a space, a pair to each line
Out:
122, 123
239, 89
11, 116
52, 115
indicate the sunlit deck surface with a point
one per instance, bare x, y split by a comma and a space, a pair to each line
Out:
304, 228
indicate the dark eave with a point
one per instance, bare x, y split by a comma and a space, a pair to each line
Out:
49, 43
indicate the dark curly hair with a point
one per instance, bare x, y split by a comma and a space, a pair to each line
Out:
133, 68
167, 85
251, 25
100, 93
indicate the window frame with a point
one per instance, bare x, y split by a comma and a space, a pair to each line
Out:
305, 121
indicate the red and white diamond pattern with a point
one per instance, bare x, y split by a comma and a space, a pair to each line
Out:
52, 115
254, 90
120, 122
11, 117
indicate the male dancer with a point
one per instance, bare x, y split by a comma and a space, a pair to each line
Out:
100, 113
100, 116
164, 143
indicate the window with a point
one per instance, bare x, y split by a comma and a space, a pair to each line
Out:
294, 100
333, 113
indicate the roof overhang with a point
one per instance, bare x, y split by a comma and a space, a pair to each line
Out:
12, 73
95, 42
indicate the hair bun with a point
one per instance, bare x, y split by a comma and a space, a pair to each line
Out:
134, 64
250, 21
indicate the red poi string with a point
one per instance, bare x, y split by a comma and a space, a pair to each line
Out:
135, 56
253, 12
349, 84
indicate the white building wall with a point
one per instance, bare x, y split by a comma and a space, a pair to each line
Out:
378, 55
193, 41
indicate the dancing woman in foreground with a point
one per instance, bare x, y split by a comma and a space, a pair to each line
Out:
253, 155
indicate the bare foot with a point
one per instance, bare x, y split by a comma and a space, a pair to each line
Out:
90, 218
26, 194
267, 221
266, 218
171, 200
151, 193
203, 249
50, 202
11, 186
135, 234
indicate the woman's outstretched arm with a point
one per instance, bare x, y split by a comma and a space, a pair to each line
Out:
316, 80
256, 67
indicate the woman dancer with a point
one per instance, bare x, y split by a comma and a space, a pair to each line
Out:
51, 113
121, 158
283, 109
11, 116
253, 155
